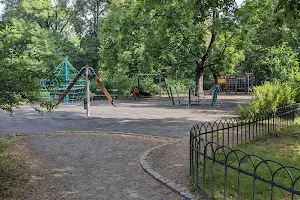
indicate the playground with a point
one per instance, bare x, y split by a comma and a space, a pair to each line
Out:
83, 134
149, 100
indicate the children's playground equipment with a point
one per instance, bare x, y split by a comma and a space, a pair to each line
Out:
53, 88
89, 74
194, 96
237, 83
162, 81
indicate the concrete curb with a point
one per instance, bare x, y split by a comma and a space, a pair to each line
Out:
177, 188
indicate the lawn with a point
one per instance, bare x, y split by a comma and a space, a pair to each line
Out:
282, 146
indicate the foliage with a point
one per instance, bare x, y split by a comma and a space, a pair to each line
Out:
187, 40
266, 99
117, 81
144, 36
34, 52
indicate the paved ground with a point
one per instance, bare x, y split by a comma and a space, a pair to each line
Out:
105, 166
147, 117
95, 166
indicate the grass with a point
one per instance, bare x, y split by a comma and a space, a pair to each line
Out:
3, 144
282, 146
14, 174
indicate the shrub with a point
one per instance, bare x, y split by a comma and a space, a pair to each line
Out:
268, 98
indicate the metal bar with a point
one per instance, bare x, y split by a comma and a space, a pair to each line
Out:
172, 96
178, 98
66, 75
67, 90
87, 89
104, 89
166, 85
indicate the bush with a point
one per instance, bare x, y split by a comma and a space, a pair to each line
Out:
268, 98
296, 87
116, 81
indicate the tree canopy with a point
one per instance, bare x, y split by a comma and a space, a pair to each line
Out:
192, 42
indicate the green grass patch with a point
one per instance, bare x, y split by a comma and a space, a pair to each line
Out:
3, 144
14, 174
282, 146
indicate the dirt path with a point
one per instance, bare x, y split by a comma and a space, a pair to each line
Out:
94, 166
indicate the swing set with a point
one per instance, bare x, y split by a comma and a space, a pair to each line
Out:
162, 81
194, 96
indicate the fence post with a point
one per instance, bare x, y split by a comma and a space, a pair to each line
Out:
191, 157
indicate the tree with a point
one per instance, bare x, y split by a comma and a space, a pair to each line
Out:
28, 53
270, 48
169, 34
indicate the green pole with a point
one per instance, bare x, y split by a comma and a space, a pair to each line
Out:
172, 96
215, 95
66, 78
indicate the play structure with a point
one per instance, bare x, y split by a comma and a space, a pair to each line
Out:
237, 83
89, 74
53, 87
59, 87
162, 82
193, 96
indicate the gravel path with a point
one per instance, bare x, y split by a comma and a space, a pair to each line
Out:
95, 166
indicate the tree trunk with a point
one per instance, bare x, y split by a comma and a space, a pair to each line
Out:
215, 78
201, 62
199, 75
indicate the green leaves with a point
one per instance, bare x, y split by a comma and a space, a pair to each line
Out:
266, 99
35, 52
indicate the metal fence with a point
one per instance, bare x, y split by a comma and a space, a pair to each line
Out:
215, 164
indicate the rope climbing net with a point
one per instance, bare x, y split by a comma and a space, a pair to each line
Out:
54, 87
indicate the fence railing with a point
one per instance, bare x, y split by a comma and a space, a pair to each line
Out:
212, 156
